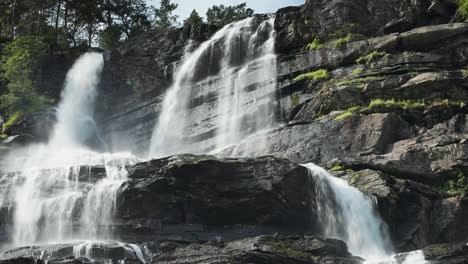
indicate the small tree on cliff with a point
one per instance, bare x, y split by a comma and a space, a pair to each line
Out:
193, 19
164, 17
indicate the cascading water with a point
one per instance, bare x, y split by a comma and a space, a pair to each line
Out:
347, 214
222, 92
55, 199
75, 112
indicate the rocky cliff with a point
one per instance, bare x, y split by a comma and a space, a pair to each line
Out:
375, 91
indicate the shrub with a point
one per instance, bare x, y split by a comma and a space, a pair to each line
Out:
341, 41
315, 44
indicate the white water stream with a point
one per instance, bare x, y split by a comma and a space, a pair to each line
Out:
55, 198
347, 214
236, 67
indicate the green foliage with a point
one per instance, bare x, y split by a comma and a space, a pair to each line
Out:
341, 41
13, 119
321, 74
133, 17
463, 7
3, 136
347, 113
405, 104
357, 71
194, 19
337, 168
287, 250
370, 57
458, 186
315, 44
355, 178
465, 72
222, 15
164, 17
295, 100
359, 81
19, 64
447, 102
110, 37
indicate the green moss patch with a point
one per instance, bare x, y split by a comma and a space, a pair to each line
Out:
315, 44
288, 250
321, 74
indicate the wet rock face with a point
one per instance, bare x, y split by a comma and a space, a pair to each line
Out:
263, 249
447, 253
76, 253
203, 194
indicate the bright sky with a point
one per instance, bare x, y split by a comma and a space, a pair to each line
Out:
260, 6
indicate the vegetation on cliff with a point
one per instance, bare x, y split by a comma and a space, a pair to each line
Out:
19, 65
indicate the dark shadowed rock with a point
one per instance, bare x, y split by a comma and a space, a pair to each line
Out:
200, 194
447, 253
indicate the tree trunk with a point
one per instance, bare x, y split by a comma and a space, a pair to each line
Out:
65, 16
90, 34
109, 15
13, 20
57, 18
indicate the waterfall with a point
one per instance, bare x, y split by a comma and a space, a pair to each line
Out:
345, 213
55, 198
222, 92
76, 125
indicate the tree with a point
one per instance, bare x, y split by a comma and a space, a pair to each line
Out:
163, 15
19, 64
110, 37
193, 19
132, 16
463, 7
223, 15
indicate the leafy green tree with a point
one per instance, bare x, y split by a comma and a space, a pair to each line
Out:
193, 19
463, 7
164, 17
223, 15
132, 16
19, 64
110, 37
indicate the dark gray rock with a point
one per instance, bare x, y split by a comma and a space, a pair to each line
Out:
263, 249
447, 253
205, 196
97, 252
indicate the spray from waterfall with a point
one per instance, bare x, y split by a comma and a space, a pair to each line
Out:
345, 213
222, 92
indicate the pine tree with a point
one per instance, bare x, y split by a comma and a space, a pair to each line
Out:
193, 19
164, 17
